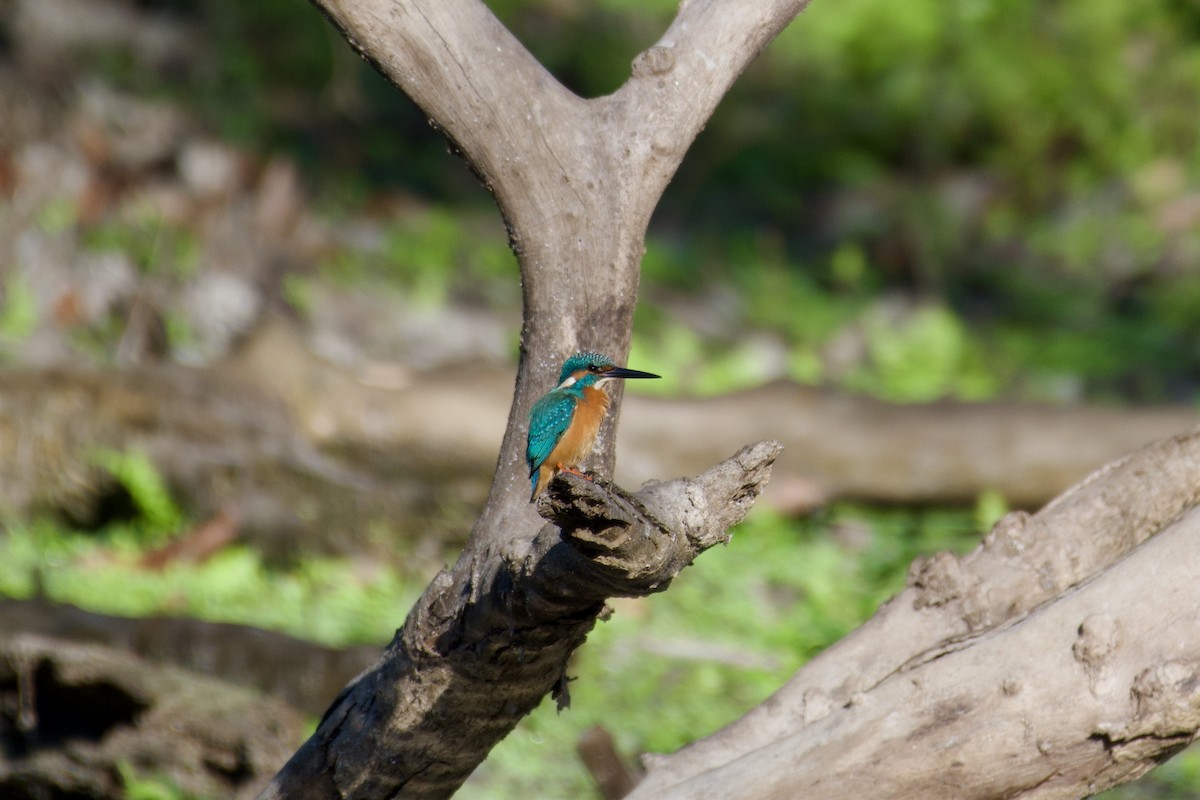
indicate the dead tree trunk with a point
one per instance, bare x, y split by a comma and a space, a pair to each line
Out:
941, 695
576, 181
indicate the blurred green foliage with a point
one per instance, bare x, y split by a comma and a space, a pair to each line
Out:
431, 257
730, 630
156, 514
336, 602
926, 357
915, 200
18, 310
1021, 170
149, 787
154, 245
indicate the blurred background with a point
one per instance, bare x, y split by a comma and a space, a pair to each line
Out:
259, 330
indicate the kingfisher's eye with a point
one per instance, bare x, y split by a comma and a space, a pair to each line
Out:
593, 368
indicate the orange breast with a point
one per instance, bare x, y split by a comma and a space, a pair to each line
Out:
580, 437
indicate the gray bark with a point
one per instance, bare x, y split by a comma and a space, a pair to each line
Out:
1059, 658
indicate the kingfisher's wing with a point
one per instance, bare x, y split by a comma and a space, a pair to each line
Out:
548, 421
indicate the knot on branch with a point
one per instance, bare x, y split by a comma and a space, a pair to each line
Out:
1167, 697
942, 579
634, 544
658, 60
1098, 637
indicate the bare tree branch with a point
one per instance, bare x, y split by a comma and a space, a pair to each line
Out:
576, 181
1060, 595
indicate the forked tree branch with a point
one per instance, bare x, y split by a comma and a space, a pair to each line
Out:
576, 181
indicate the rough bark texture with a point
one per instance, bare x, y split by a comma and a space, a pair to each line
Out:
209, 738
481, 667
1058, 658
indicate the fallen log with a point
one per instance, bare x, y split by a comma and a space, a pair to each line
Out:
311, 458
74, 716
301, 673
221, 445
1057, 659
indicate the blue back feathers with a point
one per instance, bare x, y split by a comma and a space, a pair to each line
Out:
548, 421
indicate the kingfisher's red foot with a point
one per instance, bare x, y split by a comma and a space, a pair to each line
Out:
573, 471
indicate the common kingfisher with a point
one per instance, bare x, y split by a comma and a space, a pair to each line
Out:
564, 423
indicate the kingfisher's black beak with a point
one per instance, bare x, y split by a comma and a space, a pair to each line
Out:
621, 372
